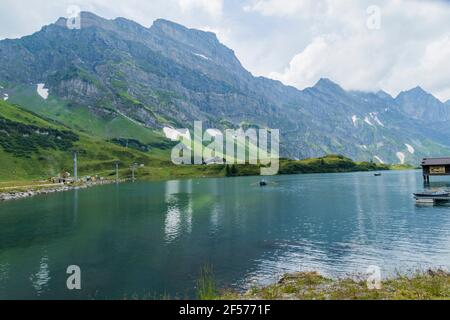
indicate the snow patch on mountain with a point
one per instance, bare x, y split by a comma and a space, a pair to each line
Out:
5, 97
366, 120
202, 56
379, 159
42, 91
175, 134
401, 157
410, 148
372, 119
374, 116
354, 119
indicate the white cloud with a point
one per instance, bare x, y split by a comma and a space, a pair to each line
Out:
431, 70
305, 68
223, 34
411, 48
212, 7
286, 8
295, 41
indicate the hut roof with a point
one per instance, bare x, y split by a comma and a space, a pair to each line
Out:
436, 161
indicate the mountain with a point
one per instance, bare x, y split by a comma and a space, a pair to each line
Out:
115, 79
422, 105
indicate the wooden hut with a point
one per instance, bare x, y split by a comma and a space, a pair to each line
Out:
435, 167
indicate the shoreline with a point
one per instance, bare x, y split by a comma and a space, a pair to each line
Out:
17, 193
432, 284
327, 164
42, 189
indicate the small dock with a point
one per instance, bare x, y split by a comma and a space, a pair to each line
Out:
432, 200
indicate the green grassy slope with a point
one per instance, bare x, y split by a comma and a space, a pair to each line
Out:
107, 125
327, 164
39, 161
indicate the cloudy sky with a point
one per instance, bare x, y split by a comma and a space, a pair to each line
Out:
392, 45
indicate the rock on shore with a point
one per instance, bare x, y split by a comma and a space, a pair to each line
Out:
15, 195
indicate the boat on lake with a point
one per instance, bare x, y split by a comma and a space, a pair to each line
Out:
432, 194
432, 197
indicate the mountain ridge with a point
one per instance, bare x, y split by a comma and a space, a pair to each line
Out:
170, 75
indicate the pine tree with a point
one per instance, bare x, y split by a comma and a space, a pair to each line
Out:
233, 170
227, 171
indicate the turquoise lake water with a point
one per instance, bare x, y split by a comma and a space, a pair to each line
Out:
151, 239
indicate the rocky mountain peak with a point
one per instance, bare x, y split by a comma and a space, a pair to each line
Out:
419, 95
88, 19
181, 33
166, 37
182, 42
384, 95
419, 90
415, 93
325, 84
422, 105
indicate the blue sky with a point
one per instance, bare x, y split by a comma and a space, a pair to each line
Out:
392, 45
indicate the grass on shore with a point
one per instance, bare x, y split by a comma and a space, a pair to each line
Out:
429, 285
206, 284
165, 170
421, 285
